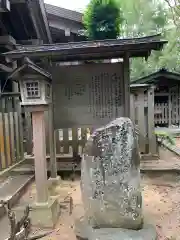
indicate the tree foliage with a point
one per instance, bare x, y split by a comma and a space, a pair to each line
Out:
144, 17
102, 19
174, 6
137, 18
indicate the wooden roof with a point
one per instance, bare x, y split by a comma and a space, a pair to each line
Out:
28, 64
60, 20
64, 13
156, 76
91, 50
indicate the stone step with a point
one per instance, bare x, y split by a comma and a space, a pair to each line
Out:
23, 169
153, 165
28, 168
12, 188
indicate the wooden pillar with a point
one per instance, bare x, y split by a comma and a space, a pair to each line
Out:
126, 69
53, 164
132, 107
141, 121
151, 127
170, 108
40, 156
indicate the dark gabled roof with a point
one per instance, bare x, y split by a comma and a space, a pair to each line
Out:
154, 77
28, 64
91, 50
63, 13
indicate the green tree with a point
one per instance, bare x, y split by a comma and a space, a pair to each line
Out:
144, 17
102, 19
139, 18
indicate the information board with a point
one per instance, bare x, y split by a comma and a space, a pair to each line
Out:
87, 94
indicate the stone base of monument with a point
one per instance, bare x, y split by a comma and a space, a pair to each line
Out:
45, 215
85, 232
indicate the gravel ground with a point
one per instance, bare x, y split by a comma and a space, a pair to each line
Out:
161, 196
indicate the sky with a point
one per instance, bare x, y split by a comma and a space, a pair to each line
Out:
77, 5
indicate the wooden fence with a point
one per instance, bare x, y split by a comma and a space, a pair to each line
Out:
167, 111
71, 140
161, 113
166, 114
11, 130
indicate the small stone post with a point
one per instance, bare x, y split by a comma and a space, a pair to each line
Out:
40, 156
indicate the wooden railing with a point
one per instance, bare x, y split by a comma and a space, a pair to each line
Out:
72, 140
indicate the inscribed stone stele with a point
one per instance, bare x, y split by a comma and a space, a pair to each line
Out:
110, 177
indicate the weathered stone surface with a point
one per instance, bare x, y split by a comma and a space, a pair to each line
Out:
86, 232
110, 177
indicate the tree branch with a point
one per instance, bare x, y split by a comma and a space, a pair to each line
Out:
173, 10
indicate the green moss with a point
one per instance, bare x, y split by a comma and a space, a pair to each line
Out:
164, 136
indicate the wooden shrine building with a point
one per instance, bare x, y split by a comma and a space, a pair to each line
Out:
88, 95
166, 96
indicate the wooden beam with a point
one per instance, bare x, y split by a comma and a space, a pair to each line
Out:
5, 5
5, 68
67, 32
34, 20
132, 106
7, 40
18, 1
52, 142
44, 17
9, 47
31, 42
141, 121
61, 26
151, 127
126, 74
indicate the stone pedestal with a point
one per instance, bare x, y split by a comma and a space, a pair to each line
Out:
43, 215
84, 231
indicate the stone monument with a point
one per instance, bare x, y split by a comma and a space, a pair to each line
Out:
110, 185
